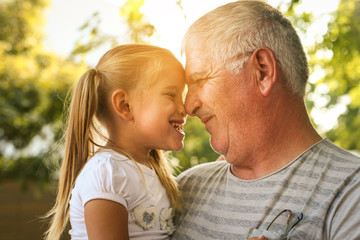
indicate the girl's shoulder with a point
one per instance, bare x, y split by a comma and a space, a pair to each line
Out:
109, 155
105, 167
108, 159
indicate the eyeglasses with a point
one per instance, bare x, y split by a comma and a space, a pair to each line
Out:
277, 234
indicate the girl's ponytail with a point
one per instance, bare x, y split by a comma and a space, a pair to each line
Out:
78, 148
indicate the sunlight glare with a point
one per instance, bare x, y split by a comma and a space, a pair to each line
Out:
317, 7
172, 24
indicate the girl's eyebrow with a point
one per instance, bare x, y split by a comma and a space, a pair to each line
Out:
171, 87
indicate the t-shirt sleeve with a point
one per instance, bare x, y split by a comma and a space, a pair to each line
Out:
345, 222
104, 180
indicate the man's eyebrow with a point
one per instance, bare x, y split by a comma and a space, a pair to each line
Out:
197, 75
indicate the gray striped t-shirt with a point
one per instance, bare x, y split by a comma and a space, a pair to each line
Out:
323, 183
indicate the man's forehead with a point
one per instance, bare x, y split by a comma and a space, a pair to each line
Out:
198, 67
196, 50
197, 61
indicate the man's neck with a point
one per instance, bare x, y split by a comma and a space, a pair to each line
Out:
282, 141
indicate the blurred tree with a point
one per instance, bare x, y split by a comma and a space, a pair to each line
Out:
338, 55
33, 86
140, 28
34, 82
334, 62
334, 58
92, 38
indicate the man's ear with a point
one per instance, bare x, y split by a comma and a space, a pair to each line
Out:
266, 69
121, 105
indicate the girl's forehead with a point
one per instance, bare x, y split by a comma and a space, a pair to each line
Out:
157, 71
170, 77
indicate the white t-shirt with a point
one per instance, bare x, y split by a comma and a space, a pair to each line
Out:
112, 176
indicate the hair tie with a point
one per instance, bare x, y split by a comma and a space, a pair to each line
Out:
96, 71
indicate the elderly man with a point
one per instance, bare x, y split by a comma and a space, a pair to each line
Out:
246, 72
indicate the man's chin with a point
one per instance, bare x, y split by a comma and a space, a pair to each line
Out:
217, 147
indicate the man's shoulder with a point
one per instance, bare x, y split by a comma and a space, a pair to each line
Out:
338, 155
334, 165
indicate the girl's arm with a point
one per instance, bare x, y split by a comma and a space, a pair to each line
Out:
106, 220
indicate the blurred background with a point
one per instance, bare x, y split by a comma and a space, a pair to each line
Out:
45, 46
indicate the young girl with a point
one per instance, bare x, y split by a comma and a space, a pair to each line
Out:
124, 189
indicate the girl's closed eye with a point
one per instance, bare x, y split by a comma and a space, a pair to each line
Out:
171, 94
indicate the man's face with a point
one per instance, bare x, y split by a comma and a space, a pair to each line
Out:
217, 97
213, 96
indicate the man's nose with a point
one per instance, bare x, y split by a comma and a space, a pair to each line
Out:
181, 108
192, 103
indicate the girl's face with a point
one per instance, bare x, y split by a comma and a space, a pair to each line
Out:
159, 115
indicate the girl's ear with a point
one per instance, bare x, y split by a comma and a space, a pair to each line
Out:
120, 103
266, 69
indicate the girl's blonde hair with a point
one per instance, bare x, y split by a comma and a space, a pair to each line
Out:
122, 67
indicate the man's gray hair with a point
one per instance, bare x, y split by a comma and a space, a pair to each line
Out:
233, 31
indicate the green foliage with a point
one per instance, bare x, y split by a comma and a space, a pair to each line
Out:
20, 24
33, 86
92, 37
341, 68
34, 83
343, 72
140, 28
